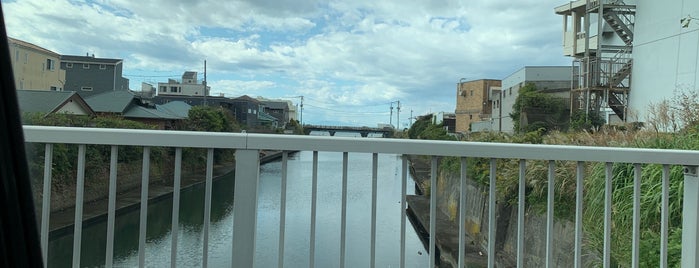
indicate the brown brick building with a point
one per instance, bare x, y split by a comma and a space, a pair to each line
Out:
474, 102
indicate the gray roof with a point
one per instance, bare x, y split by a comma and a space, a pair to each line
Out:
177, 108
262, 116
280, 105
246, 98
189, 75
89, 59
123, 102
111, 102
136, 111
43, 101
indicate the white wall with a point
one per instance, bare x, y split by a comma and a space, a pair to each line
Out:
72, 107
665, 54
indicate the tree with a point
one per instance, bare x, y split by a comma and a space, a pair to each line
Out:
213, 119
537, 110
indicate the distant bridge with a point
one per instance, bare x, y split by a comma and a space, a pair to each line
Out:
364, 131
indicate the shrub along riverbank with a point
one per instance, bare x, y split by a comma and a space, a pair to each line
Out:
129, 160
686, 138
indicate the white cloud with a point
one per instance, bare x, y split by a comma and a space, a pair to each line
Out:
342, 53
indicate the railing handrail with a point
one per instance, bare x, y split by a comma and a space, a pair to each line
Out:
250, 141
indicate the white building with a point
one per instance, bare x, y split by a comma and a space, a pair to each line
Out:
188, 86
551, 79
599, 35
661, 51
665, 53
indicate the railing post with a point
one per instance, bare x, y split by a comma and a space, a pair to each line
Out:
247, 172
690, 221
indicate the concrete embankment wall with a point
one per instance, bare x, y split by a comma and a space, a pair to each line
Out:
506, 227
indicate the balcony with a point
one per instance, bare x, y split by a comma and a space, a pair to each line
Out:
247, 180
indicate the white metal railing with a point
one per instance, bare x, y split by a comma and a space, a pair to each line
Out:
247, 174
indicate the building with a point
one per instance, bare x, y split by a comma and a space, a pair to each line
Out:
189, 85
50, 102
550, 79
126, 104
246, 110
665, 53
35, 67
279, 109
599, 35
91, 76
474, 102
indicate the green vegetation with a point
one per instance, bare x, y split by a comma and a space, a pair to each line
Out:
534, 110
425, 130
129, 160
678, 115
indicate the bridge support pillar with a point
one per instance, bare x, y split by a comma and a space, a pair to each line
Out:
364, 134
332, 132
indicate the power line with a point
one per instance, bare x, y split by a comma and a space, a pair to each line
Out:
348, 112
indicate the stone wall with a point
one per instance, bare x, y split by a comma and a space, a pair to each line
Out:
506, 228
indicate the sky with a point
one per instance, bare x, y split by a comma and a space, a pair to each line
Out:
350, 60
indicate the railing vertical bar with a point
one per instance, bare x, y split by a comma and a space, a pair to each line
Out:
176, 206
207, 206
144, 208
492, 229
579, 213
462, 213
549, 213
690, 217
343, 224
433, 212
314, 202
247, 175
46, 202
374, 179
282, 209
520, 212
403, 207
607, 215
635, 258
664, 216
111, 208
79, 192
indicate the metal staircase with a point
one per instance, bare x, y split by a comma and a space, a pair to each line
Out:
619, 26
603, 74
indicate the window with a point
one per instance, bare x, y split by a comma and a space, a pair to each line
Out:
53, 88
470, 116
249, 110
16, 55
69, 65
173, 89
86, 66
471, 92
86, 88
50, 64
103, 66
163, 88
26, 58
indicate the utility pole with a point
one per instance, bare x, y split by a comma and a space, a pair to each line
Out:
398, 115
390, 117
204, 82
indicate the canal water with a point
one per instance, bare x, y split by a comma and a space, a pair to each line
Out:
297, 219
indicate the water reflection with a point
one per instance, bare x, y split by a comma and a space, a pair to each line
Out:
298, 221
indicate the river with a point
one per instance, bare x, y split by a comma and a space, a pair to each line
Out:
297, 219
